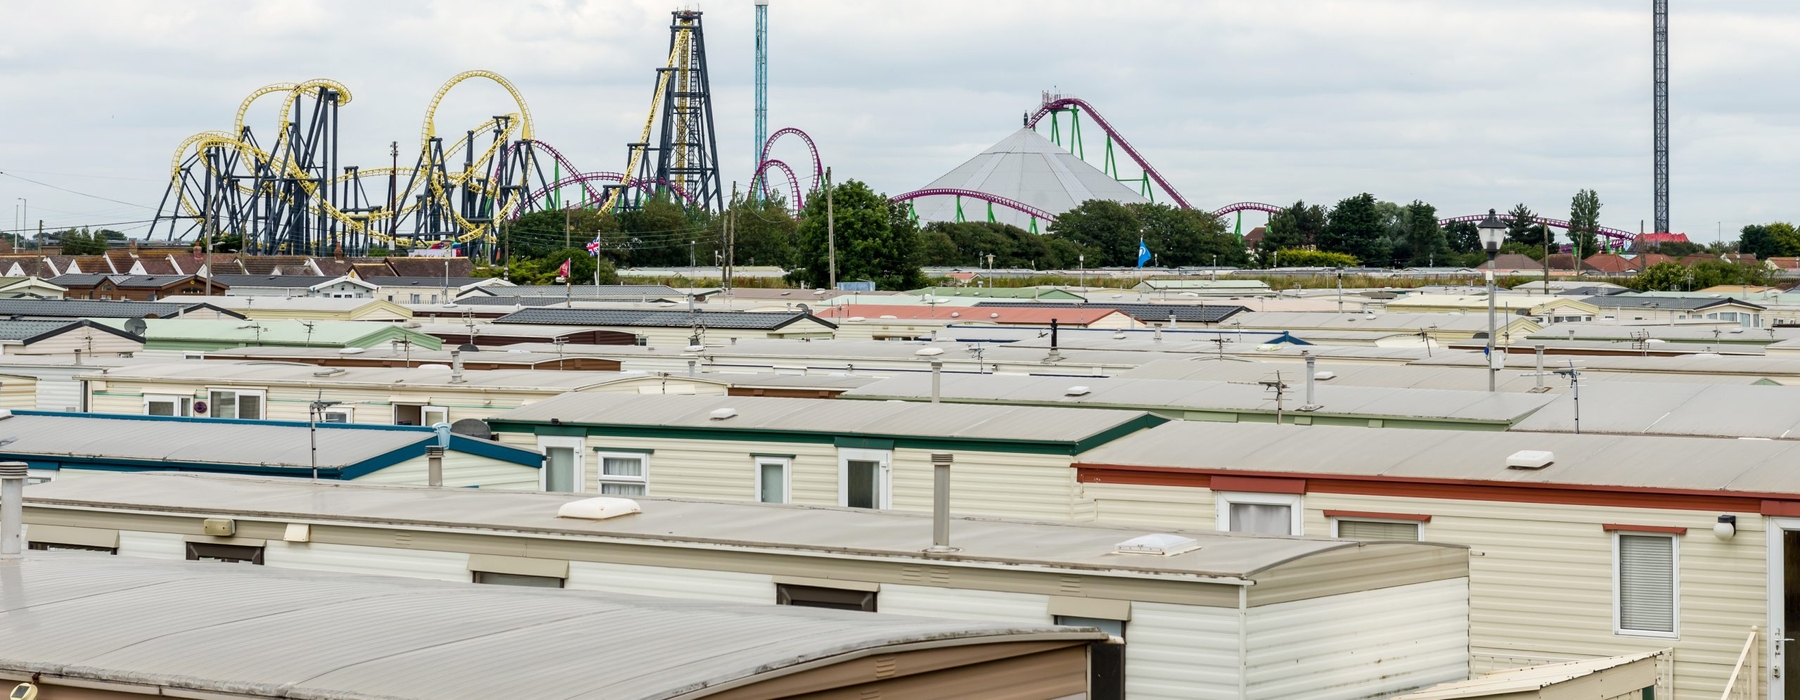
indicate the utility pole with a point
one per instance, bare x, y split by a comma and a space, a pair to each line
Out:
731, 220
691, 254
830, 230
568, 230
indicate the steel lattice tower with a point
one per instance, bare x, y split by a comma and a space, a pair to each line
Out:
762, 85
686, 152
1660, 40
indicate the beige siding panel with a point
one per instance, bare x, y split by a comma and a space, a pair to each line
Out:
380, 561
1181, 652
1541, 575
1154, 506
987, 606
727, 586
716, 469
371, 406
1325, 648
461, 470
91, 343
152, 545
61, 395
1370, 566
18, 392
1014, 485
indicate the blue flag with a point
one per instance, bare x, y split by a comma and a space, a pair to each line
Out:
1143, 253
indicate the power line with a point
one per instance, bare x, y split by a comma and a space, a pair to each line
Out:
84, 194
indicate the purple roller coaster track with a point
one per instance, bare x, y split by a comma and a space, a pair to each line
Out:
1054, 103
759, 179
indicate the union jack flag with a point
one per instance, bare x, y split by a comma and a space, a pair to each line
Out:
593, 247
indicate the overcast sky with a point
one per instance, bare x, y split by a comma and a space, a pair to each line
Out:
1466, 104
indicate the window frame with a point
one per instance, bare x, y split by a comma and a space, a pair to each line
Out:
184, 403
501, 578
577, 446
1618, 607
262, 396
1296, 503
884, 481
1418, 525
196, 552
601, 479
813, 597
787, 476
348, 412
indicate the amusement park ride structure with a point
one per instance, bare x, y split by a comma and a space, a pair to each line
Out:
296, 196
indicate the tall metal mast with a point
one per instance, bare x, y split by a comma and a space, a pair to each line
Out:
1661, 76
762, 86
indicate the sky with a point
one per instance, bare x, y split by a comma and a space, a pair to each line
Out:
1464, 104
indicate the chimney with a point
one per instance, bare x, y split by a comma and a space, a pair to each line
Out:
456, 370
1312, 375
12, 509
940, 503
1054, 353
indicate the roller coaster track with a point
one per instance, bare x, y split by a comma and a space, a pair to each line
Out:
1053, 103
678, 50
648, 186
976, 194
793, 182
818, 169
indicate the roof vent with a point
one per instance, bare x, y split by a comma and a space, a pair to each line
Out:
1162, 544
724, 413
996, 314
1530, 459
332, 372
1077, 391
956, 314
1324, 375
854, 319
602, 508
888, 317
350, 351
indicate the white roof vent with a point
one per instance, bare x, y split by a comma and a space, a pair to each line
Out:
1162, 544
602, 508
1077, 391
1530, 459
995, 314
956, 314
724, 413
854, 319
1324, 375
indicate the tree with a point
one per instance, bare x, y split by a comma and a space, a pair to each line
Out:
539, 233
1394, 241
80, 242
875, 240
969, 243
1424, 238
1464, 237
1186, 237
1355, 227
1584, 223
1520, 227
1105, 230
663, 234
1668, 276
1297, 226
1770, 240
543, 269
762, 232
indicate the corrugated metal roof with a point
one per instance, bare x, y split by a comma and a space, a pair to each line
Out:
626, 291
816, 530
1710, 410
278, 331
300, 281
439, 376
1689, 364
1296, 320
1165, 394
861, 418
1068, 314
1400, 376
1148, 313
198, 440
287, 633
745, 320
21, 330
83, 308
1632, 301
1530, 679
1635, 461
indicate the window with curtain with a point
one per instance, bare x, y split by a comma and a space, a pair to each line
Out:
1646, 596
623, 474
1377, 530
1262, 518
236, 404
864, 489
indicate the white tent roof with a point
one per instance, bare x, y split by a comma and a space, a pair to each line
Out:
1028, 168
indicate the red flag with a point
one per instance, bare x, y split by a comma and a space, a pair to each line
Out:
564, 270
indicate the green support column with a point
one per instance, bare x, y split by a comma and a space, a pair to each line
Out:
991, 213
1110, 166
1075, 133
959, 212
1033, 228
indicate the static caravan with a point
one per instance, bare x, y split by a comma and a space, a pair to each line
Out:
1198, 615
677, 327
1584, 546
1010, 461
420, 395
55, 445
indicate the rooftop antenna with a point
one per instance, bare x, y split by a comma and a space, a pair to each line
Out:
1280, 389
313, 412
1574, 376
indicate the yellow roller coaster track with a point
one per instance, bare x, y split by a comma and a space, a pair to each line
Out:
662, 85
519, 123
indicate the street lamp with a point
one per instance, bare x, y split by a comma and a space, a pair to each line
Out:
1492, 232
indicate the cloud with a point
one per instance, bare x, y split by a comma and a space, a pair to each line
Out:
1464, 104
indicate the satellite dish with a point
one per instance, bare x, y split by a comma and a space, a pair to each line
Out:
468, 347
136, 326
472, 427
